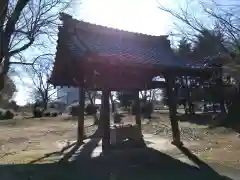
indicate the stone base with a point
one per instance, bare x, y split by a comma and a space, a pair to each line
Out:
122, 132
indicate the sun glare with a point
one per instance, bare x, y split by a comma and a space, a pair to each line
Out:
132, 15
141, 16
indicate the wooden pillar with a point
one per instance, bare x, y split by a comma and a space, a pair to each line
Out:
138, 110
172, 103
105, 120
221, 90
80, 127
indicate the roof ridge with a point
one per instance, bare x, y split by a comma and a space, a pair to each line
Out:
101, 29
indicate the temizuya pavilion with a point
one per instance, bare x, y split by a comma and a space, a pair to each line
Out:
95, 57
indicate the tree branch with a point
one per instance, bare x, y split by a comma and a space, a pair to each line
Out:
10, 26
24, 47
22, 63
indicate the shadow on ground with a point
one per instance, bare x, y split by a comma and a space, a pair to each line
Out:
199, 119
233, 126
140, 163
211, 120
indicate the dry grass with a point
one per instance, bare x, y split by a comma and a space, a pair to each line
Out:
25, 140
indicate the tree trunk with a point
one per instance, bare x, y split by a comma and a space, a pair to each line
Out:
222, 106
172, 101
1, 81
4, 67
45, 99
233, 116
3, 12
93, 104
112, 103
45, 103
6, 35
138, 110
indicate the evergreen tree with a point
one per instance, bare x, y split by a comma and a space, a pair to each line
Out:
209, 43
184, 48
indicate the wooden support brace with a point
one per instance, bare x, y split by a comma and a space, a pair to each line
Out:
172, 103
80, 128
105, 120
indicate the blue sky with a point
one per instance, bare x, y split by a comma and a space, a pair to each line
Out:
133, 15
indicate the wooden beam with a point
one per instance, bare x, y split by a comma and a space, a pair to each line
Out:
105, 118
172, 102
80, 127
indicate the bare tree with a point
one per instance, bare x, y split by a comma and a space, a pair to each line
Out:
187, 24
214, 15
39, 73
150, 95
226, 18
113, 107
190, 24
26, 23
92, 95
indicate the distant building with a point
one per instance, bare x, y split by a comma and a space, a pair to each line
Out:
67, 95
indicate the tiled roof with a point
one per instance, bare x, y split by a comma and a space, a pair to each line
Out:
112, 46
118, 44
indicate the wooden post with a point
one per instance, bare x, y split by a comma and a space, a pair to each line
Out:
221, 92
80, 129
138, 110
172, 103
105, 120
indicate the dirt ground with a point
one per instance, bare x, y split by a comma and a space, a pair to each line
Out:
219, 145
25, 140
